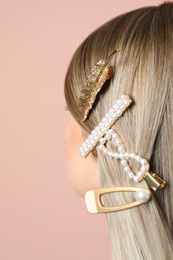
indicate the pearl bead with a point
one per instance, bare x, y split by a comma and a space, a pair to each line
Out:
99, 134
143, 168
114, 136
89, 146
123, 162
87, 141
122, 107
110, 120
136, 178
103, 129
92, 142
108, 136
101, 147
137, 158
123, 97
126, 168
102, 140
117, 141
83, 145
120, 148
106, 125
118, 112
115, 107
111, 110
110, 154
140, 174
114, 116
93, 132
105, 151
118, 101
110, 131
116, 155
90, 137
121, 155
130, 175
80, 149
132, 155
126, 102
143, 161
104, 119
86, 150
142, 195
83, 154
97, 128
126, 155
107, 115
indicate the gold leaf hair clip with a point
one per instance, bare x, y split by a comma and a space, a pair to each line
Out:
100, 73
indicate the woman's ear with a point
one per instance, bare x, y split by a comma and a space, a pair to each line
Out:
83, 172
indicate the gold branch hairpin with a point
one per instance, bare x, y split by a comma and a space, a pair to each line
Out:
100, 73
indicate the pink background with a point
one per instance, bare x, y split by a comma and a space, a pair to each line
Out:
41, 217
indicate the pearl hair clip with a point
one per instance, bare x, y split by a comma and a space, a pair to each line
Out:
99, 136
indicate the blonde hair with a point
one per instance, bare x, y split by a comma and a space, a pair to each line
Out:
144, 72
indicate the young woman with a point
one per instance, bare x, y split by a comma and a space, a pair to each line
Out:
144, 71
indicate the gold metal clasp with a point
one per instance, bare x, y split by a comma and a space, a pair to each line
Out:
154, 181
94, 201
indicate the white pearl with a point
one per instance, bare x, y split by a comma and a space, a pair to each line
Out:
123, 162
114, 116
142, 195
87, 141
126, 168
83, 154
100, 124
122, 107
121, 155
143, 168
143, 161
92, 142
132, 155
86, 150
115, 107
101, 147
104, 119
110, 131
136, 178
130, 175
83, 145
105, 151
110, 154
126, 155
96, 138
106, 125
126, 102
108, 136
118, 142
80, 149
137, 158
99, 134
107, 115
120, 149
114, 136
90, 137
93, 132
97, 128
89, 146
111, 110
118, 112
102, 140
103, 129
118, 101
116, 155
110, 120
140, 174
123, 97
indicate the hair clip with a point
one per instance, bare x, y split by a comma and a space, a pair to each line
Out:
103, 133
95, 204
100, 73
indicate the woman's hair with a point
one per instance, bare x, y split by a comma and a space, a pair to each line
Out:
144, 71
